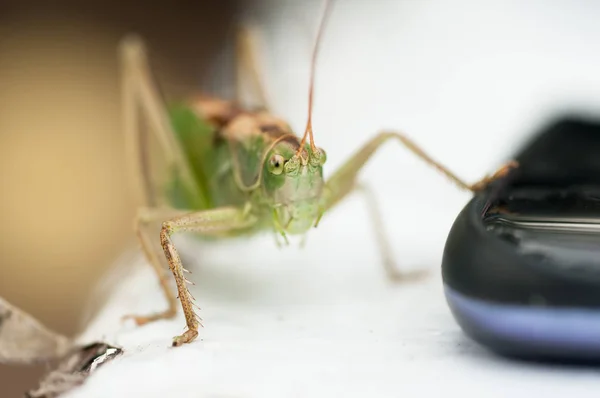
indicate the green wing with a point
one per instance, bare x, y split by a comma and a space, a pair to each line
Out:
196, 138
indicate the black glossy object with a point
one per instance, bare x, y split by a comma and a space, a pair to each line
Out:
521, 292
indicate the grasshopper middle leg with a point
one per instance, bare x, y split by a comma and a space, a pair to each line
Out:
385, 249
146, 218
343, 182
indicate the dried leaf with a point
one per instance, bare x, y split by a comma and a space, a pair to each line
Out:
24, 340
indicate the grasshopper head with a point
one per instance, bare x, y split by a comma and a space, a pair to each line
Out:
293, 182
293, 179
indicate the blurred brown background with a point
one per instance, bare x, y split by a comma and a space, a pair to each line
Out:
66, 210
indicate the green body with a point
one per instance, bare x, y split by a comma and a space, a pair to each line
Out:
290, 201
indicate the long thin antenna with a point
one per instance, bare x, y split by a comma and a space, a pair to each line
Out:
308, 131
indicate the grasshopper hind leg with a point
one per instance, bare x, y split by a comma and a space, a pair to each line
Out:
250, 89
248, 67
144, 111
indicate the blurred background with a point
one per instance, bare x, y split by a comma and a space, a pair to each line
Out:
66, 209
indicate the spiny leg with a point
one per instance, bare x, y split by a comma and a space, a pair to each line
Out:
146, 217
247, 65
343, 181
221, 221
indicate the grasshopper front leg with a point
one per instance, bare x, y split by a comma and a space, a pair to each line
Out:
216, 222
343, 182
225, 221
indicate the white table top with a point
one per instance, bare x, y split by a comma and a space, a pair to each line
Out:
278, 324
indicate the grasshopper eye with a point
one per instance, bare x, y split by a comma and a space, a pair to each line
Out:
276, 164
322, 157
318, 157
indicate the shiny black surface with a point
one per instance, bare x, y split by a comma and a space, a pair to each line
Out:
488, 258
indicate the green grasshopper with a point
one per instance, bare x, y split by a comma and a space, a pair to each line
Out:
235, 171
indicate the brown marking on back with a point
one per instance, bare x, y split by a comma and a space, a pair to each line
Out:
235, 123
215, 110
260, 123
275, 131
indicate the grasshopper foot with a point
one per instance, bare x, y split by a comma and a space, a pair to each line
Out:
141, 320
189, 336
500, 173
397, 276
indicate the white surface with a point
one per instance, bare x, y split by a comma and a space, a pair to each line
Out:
295, 327
465, 79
